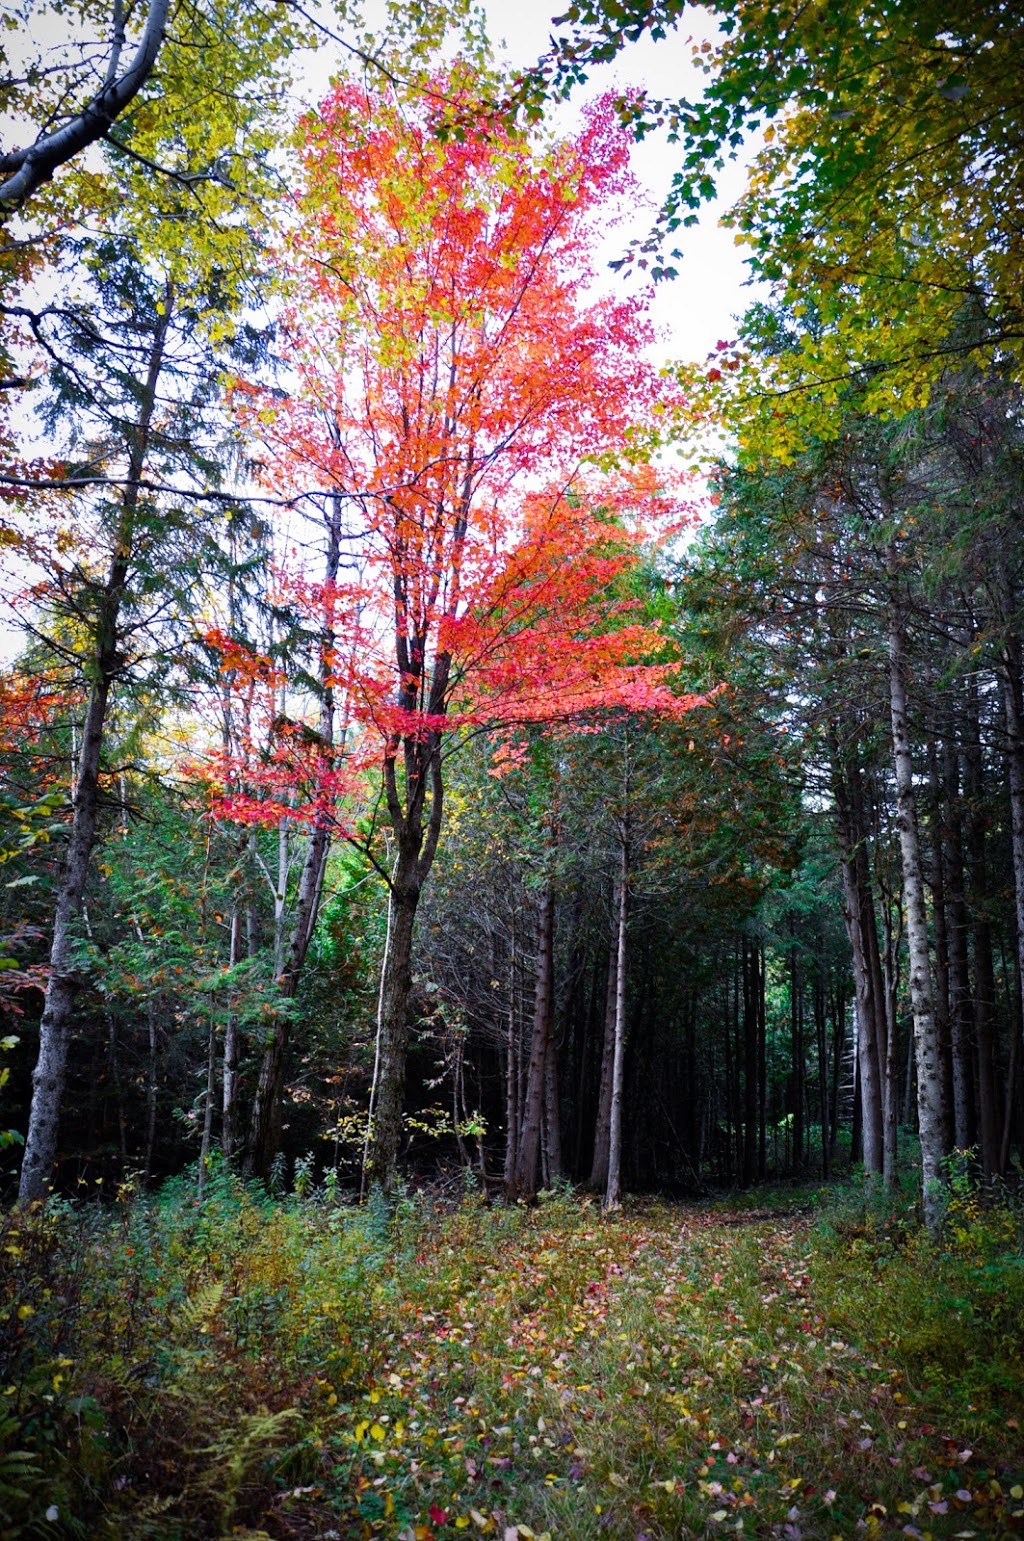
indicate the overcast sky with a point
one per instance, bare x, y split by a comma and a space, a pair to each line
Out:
696, 309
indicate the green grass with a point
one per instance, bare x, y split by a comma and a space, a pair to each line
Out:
301, 1369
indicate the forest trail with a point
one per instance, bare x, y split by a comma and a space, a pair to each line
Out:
252, 1367
681, 1372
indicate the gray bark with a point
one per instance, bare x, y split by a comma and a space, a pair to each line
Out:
613, 1191
930, 1111
229, 1083
528, 1158
511, 1075
602, 1128
984, 970
26, 170
417, 814
858, 914
1015, 775
552, 1112
397, 982
961, 1008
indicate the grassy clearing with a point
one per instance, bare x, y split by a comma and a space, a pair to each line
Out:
301, 1369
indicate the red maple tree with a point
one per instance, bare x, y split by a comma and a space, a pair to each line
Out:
488, 430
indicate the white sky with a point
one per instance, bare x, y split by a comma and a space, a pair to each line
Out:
696, 309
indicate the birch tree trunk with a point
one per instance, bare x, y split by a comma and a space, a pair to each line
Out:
930, 1112
613, 1191
63, 983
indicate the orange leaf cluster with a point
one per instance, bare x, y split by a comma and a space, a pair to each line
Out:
487, 426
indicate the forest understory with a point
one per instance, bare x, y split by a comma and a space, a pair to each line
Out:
800, 1363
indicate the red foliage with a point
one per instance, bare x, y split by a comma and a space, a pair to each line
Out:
270, 766
487, 425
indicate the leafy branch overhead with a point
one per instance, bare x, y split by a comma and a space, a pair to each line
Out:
883, 190
25, 170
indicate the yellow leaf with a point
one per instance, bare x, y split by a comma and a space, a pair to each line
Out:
376, 1431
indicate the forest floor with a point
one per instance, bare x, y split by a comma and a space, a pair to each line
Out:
303, 1369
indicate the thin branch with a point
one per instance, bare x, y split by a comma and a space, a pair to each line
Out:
33, 166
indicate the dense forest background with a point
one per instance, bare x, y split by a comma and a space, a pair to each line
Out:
407, 769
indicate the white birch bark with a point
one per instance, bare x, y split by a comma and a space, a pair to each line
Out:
926, 1045
613, 1191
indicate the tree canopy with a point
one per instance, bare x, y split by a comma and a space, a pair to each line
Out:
883, 195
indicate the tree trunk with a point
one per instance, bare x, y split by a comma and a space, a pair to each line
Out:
838, 1051
930, 1112
890, 1063
613, 1190
264, 1139
858, 914
984, 970
229, 1086
602, 1128
961, 1008
511, 1073
1015, 777
552, 1111
527, 1163
731, 1024
151, 1094
820, 1024
796, 1025
63, 984
762, 1061
943, 971
208, 1101
421, 793
750, 1063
